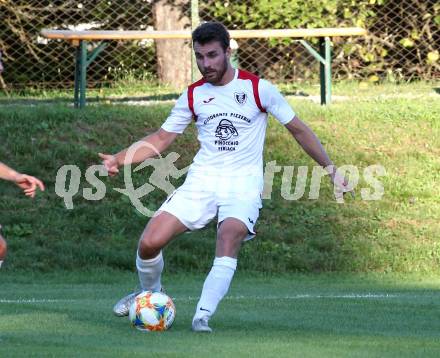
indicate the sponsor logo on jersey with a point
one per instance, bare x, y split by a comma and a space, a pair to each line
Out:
240, 97
240, 116
225, 130
212, 116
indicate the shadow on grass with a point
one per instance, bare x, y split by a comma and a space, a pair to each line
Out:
91, 99
4, 101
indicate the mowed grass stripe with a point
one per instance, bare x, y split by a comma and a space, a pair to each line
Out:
307, 316
305, 296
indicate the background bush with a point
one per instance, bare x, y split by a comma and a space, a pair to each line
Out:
402, 43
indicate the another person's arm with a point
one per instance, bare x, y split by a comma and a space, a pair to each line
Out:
28, 183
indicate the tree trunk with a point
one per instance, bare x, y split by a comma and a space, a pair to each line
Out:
173, 56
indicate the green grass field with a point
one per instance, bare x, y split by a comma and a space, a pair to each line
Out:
69, 315
370, 285
394, 126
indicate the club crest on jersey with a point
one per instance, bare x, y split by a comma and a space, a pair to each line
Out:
225, 130
240, 98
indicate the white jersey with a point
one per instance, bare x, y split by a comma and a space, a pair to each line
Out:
231, 122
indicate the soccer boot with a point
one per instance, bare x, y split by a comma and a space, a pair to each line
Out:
201, 325
122, 307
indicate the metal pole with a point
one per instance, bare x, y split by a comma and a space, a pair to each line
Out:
328, 70
325, 70
77, 75
322, 70
195, 20
83, 74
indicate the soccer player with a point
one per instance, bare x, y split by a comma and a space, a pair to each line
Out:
229, 108
28, 183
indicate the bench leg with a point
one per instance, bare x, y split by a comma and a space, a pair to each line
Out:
82, 61
83, 74
77, 75
325, 70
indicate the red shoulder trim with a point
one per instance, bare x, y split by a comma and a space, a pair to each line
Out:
244, 75
191, 95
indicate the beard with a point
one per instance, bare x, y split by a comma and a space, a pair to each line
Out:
215, 76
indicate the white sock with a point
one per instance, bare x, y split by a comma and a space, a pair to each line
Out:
149, 272
1, 261
216, 285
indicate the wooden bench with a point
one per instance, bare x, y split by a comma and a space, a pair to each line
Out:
83, 58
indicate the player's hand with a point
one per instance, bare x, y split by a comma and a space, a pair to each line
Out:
341, 186
110, 162
29, 184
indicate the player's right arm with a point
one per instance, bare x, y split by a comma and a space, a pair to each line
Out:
147, 147
152, 144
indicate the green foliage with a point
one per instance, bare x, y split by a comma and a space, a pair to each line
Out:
278, 58
401, 40
282, 14
29, 62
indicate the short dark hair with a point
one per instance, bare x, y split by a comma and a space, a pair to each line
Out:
211, 31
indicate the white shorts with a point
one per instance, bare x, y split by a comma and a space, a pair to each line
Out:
195, 206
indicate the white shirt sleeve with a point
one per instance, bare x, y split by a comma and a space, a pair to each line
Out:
274, 103
179, 117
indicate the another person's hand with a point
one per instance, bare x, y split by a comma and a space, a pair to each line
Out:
29, 184
110, 162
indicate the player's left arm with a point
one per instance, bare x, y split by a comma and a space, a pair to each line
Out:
277, 105
308, 140
28, 183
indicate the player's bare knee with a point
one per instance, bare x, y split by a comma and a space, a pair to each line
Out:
230, 236
148, 248
228, 247
2, 242
229, 239
232, 230
3, 248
